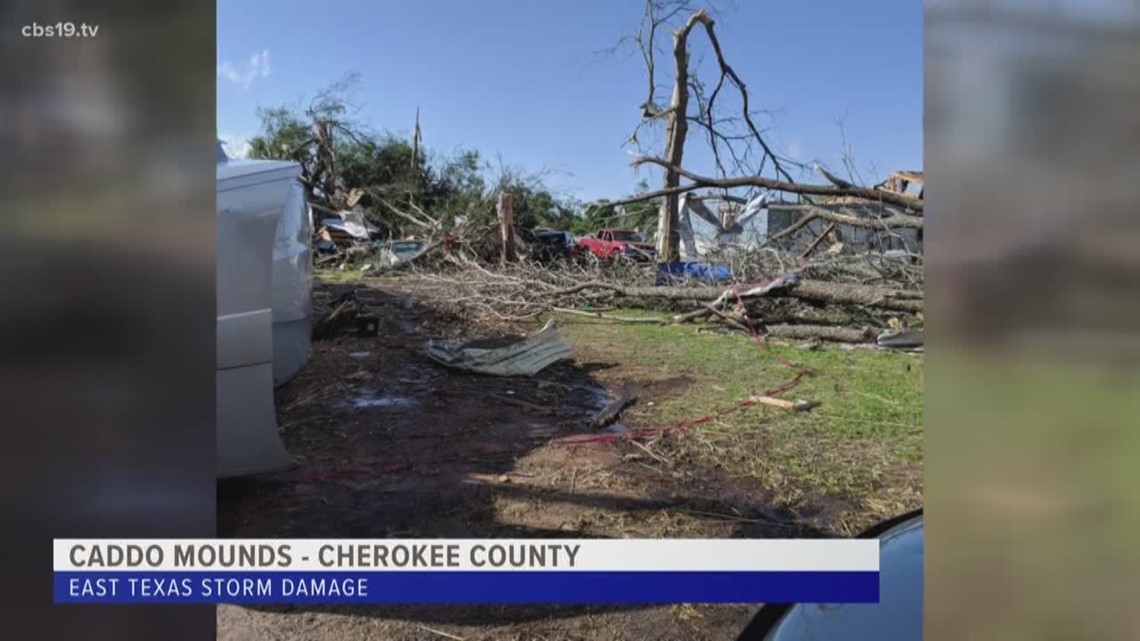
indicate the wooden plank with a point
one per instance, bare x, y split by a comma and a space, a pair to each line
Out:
779, 403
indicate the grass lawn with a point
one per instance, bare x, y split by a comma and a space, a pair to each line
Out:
853, 460
338, 275
859, 452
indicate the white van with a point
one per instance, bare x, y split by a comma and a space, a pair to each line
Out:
264, 285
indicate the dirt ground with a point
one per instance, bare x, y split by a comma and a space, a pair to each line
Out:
392, 445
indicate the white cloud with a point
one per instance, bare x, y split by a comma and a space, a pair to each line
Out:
237, 145
244, 75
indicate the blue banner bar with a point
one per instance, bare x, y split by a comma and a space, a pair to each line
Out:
347, 588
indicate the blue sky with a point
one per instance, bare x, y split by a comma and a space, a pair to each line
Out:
525, 79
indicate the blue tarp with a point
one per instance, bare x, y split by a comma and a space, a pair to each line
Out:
668, 273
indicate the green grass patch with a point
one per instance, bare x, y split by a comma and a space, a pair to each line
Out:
338, 275
862, 444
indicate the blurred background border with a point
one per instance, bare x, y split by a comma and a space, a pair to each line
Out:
107, 269
1032, 128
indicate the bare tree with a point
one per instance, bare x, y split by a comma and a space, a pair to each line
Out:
332, 112
733, 139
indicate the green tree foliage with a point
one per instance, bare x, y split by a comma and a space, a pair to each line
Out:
285, 135
445, 186
641, 216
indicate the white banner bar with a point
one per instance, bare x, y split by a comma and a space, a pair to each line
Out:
612, 555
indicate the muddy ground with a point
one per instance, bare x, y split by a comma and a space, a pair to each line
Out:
392, 445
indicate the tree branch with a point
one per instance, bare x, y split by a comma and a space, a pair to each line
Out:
874, 195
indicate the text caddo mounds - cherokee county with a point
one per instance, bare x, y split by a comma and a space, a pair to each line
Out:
359, 556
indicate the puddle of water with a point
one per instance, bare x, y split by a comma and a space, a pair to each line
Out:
415, 374
369, 400
586, 399
360, 354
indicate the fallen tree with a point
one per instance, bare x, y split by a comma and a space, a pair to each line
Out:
822, 332
833, 305
840, 293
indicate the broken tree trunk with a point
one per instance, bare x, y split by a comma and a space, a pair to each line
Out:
676, 129
416, 145
507, 226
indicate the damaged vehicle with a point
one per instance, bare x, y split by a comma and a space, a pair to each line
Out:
264, 306
554, 245
397, 252
349, 226
610, 244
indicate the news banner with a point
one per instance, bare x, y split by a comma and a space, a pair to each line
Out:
295, 571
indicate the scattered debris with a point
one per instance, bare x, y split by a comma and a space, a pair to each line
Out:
441, 633
533, 407
367, 325
397, 252
347, 226
370, 400
901, 339
405, 299
681, 272
341, 312
791, 406
612, 411
519, 357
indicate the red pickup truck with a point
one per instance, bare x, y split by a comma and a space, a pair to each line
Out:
607, 244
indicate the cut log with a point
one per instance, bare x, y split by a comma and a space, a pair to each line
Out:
808, 315
851, 294
823, 332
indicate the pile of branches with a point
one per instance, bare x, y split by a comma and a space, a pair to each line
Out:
851, 298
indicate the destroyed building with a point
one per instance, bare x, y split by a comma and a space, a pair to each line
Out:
713, 223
